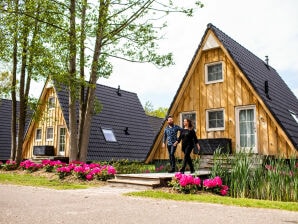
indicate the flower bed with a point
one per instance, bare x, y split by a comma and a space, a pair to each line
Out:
188, 184
81, 171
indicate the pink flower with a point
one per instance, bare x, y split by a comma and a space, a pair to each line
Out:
197, 181
223, 192
89, 176
217, 180
178, 176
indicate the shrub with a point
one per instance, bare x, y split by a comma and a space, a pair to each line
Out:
30, 166
10, 165
185, 183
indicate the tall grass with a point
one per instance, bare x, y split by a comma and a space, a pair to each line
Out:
252, 176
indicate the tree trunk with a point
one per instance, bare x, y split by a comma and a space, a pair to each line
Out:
82, 72
13, 89
102, 16
73, 151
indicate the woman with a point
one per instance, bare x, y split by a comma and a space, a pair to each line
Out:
189, 138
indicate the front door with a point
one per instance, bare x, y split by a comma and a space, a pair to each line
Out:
62, 141
246, 134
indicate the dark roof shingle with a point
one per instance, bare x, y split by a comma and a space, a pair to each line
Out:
118, 113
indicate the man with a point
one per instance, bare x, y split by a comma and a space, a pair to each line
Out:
170, 137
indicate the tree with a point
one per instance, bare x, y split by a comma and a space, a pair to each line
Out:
160, 112
77, 35
23, 45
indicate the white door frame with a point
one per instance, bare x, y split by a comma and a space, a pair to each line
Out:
253, 149
59, 152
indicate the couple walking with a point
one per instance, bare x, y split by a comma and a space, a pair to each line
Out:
188, 137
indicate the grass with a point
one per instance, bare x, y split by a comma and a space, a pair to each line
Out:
28, 179
215, 199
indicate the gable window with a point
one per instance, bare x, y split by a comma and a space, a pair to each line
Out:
38, 134
50, 133
109, 135
294, 115
215, 120
189, 115
51, 103
214, 72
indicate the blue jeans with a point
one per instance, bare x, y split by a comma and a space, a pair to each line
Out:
172, 150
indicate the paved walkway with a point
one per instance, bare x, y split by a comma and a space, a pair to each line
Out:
20, 204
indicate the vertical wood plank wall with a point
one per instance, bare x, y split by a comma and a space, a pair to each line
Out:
197, 96
48, 118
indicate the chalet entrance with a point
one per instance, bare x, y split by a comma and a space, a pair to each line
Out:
246, 134
62, 141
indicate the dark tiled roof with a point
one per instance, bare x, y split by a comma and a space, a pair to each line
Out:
118, 113
5, 127
281, 99
155, 122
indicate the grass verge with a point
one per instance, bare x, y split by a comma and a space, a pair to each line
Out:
39, 181
210, 198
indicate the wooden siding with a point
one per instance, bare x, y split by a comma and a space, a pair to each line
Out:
48, 117
234, 91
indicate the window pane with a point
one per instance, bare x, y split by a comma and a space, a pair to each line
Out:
109, 135
214, 72
51, 102
49, 133
216, 119
38, 134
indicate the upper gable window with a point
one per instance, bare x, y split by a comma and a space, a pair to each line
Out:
51, 103
215, 120
109, 135
294, 115
214, 72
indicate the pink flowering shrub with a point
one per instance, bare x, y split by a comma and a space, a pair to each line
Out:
94, 170
30, 166
186, 184
215, 185
52, 165
9, 165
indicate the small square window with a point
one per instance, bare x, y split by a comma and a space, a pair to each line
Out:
191, 116
38, 134
50, 133
109, 135
215, 120
214, 72
51, 103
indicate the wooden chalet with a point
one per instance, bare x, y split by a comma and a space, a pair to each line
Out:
231, 94
120, 131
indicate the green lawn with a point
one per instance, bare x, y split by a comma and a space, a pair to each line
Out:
216, 199
40, 181
28, 179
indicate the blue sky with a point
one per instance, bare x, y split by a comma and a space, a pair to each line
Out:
267, 27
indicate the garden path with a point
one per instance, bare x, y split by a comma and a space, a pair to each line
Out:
21, 204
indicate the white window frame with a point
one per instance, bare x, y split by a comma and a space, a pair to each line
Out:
50, 139
51, 104
38, 139
193, 122
108, 134
222, 72
207, 120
